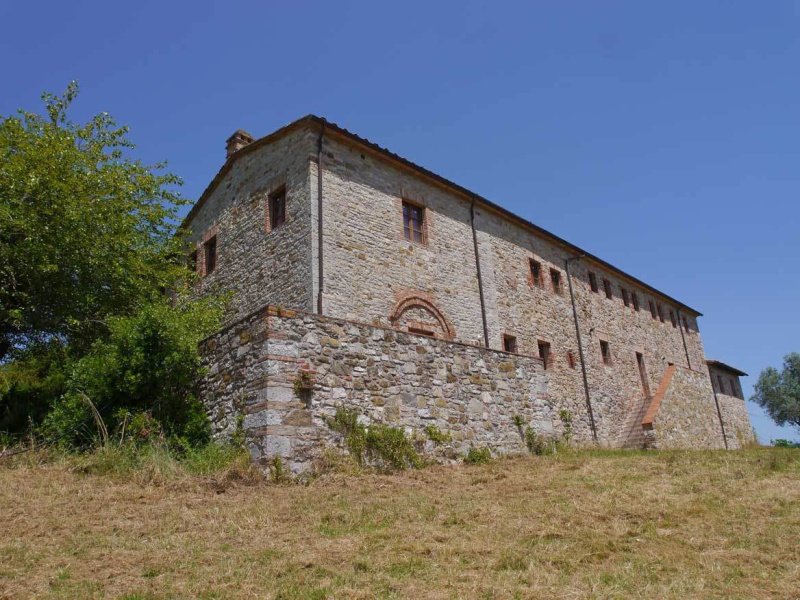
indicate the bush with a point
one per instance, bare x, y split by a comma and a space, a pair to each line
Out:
478, 456
149, 364
437, 436
387, 446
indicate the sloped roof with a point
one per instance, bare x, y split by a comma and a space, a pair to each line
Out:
721, 365
330, 127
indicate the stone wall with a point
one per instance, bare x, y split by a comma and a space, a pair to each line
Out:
732, 406
388, 376
683, 413
258, 265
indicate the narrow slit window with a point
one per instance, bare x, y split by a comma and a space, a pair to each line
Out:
510, 343
685, 324
660, 311
414, 223
277, 208
607, 289
555, 278
210, 255
720, 384
593, 282
635, 300
605, 351
536, 272
653, 309
625, 298
544, 353
672, 318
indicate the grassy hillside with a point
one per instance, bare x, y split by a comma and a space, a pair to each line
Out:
604, 525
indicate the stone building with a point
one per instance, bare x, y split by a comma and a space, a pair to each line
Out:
385, 287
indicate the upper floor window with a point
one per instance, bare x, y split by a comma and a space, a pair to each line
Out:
720, 384
277, 208
593, 282
510, 343
605, 351
635, 300
555, 277
536, 272
607, 288
660, 312
625, 298
672, 318
413, 222
685, 323
210, 255
652, 309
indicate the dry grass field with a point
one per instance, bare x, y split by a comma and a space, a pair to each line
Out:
583, 525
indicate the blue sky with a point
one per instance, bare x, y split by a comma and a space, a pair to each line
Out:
664, 137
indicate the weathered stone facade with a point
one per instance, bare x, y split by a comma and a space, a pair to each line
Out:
733, 411
469, 280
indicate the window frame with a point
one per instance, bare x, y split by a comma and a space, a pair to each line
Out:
605, 353
275, 200
555, 281
545, 355
635, 301
535, 272
593, 283
626, 300
510, 343
608, 289
408, 208
210, 255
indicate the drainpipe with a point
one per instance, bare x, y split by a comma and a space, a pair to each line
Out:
478, 269
580, 348
719, 412
683, 337
320, 272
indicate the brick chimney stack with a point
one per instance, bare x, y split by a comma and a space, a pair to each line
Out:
237, 141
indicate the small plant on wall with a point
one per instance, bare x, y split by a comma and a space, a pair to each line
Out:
303, 385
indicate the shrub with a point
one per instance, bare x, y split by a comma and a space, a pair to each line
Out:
437, 436
149, 364
478, 456
387, 446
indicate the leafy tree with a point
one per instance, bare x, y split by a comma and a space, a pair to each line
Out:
85, 231
779, 392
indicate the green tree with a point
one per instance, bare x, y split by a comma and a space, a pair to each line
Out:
779, 391
85, 231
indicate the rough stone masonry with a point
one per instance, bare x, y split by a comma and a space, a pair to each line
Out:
416, 301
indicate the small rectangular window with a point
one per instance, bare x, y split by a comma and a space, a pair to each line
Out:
685, 324
277, 208
607, 288
660, 311
605, 351
571, 359
635, 299
720, 384
652, 309
555, 277
414, 222
544, 353
536, 272
510, 343
625, 299
210, 255
733, 387
672, 318
593, 282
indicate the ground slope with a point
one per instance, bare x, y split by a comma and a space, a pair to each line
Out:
605, 525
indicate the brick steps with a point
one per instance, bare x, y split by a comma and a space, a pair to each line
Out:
633, 436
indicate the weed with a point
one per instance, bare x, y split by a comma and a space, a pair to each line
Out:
478, 456
437, 436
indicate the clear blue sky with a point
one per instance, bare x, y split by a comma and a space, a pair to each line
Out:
664, 137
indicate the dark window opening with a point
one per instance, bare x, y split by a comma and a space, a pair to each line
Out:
625, 299
660, 313
420, 331
605, 350
672, 318
193, 261
685, 324
571, 359
414, 223
555, 277
652, 309
593, 282
210, 255
607, 288
720, 384
277, 208
544, 353
635, 300
536, 272
733, 387
510, 343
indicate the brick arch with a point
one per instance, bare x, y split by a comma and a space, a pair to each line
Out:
411, 304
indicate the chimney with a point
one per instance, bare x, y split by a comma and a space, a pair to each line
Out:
237, 141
